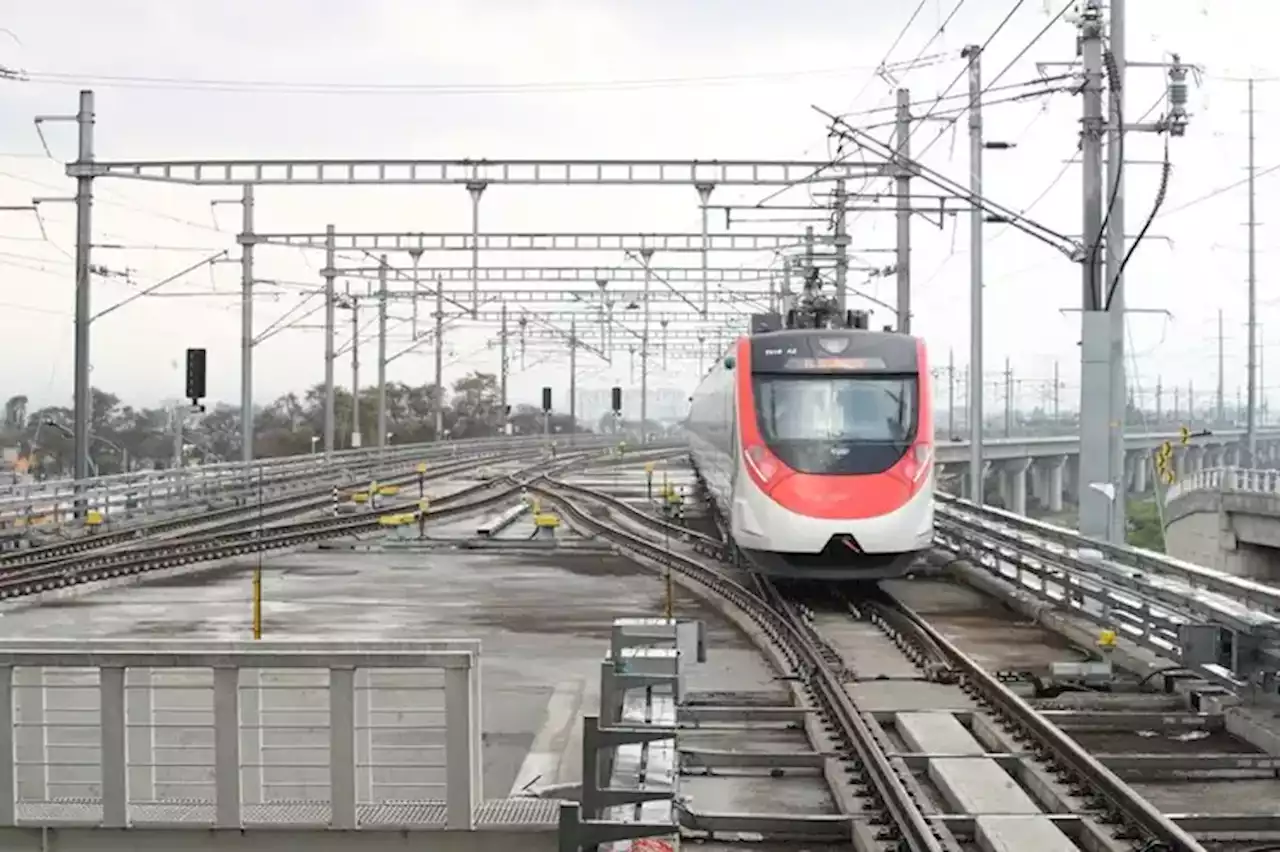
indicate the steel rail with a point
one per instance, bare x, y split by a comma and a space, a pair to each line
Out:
931, 643
112, 492
235, 515
1066, 751
804, 657
113, 564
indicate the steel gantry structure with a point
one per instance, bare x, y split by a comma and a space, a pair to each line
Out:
475, 176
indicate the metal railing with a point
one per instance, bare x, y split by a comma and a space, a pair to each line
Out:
182, 488
1219, 436
1227, 479
231, 735
1194, 580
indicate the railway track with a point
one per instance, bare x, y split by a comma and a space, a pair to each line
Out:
249, 537
1082, 770
794, 650
238, 517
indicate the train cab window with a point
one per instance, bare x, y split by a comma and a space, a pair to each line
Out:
837, 424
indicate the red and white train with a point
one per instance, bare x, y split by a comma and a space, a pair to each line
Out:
817, 448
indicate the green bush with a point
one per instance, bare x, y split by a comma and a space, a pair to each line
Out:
1145, 530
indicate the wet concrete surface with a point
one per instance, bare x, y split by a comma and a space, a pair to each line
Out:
983, 628
542, 620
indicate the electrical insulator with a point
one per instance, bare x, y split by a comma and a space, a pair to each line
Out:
1177, 94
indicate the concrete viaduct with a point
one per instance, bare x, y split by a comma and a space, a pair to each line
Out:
1048, 468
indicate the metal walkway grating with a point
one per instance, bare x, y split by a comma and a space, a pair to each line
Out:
427, 815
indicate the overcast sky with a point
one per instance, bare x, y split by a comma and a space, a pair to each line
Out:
631, 81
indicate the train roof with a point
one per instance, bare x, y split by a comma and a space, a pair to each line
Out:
815, 349
873, 338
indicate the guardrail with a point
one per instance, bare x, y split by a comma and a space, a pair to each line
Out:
182, 488
1218, 436
199, 734
1242, 591
1227, 479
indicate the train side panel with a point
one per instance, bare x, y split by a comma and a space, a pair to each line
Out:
713, 434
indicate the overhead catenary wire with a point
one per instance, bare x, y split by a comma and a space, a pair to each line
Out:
1040, 232
917, 123
1026, 48
902, 33
840, 157
108, 81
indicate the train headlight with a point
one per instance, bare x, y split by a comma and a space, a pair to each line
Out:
764, 464
918, 460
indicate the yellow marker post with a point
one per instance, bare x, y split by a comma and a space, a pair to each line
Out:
257, 602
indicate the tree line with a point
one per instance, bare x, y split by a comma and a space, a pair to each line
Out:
142, 438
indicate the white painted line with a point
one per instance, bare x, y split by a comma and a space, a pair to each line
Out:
541, 764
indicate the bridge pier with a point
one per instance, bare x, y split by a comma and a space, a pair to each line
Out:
1137, 463
1046, 481
1013, 485
1056, 468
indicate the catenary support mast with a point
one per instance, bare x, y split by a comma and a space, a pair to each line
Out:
1251, 415
1114, 280
975, 414
83, 403
1095, 346
246, 324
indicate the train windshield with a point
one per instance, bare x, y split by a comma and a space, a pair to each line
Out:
837, 424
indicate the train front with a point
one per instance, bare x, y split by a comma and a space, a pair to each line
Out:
836, 431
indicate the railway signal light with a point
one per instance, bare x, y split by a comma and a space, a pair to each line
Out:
546, 400
616, 399
195, 375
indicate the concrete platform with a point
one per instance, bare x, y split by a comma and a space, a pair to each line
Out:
892, 696
1021, 834
937, 733
979, 786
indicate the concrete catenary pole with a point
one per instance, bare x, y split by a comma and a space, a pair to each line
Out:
704, 198
646, 254
329, 273
439, 406
841, 246
1114, 280
504, 367
382, 350
476, 189
354, 302
1095, 348
246, 324
83, 403
975, 414
573, 379
902, 184
1251, 415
